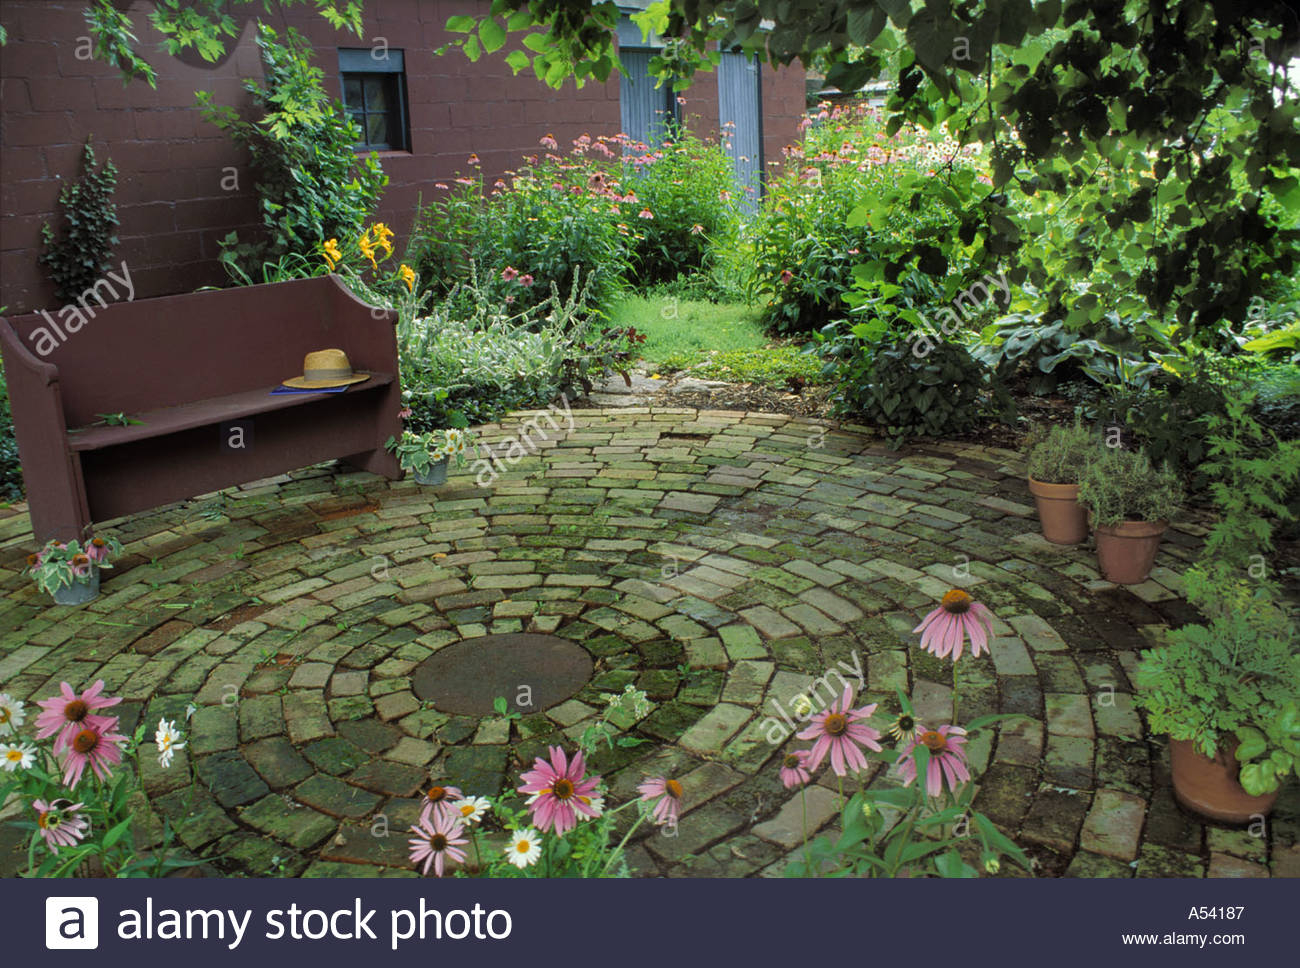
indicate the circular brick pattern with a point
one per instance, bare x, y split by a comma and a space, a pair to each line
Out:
722, 562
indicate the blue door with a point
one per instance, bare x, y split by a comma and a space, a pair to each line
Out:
644, 109
742, 121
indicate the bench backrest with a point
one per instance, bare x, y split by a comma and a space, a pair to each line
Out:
130, 357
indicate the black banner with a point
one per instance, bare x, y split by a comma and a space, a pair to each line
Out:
666, 923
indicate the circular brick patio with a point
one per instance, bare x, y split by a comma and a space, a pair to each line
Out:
723, 562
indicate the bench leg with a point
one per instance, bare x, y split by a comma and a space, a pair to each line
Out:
378, 461
57, 505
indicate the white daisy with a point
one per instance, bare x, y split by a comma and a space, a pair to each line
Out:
11, 714
597, 804
16, 755
472, 809
525, 848
169, 739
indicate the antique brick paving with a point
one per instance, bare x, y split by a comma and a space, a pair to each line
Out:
721, 561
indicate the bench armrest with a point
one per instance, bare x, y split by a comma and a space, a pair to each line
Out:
55, 492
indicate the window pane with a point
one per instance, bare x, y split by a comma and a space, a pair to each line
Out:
352, 91
376, 95
377, 129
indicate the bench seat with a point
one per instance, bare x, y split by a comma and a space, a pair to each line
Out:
203, 413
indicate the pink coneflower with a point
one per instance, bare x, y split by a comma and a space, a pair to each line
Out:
596, 181
526, 280
787, 277
438, 799
442, 185
838, 731
473, 160
69, 713
794, 769
947, 766
509, 273
94, 747
437, 838
944, 630
561, 791
404, 413
80, 565
463, 181
60, 826
97, 550
669, 795
645, 213
697, 228
549, 142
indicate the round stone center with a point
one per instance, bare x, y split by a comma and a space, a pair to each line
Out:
532, 672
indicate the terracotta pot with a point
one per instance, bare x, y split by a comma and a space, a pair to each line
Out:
1062, 517
1209, 786
1126, 551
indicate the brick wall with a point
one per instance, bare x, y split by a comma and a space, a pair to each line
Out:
176, 196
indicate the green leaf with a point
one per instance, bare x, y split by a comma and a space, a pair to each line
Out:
492, 34
115, 834
1252, 744
460, 25
517, 60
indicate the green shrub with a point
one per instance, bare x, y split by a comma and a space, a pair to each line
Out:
311, 186
11, 471
689, 187
555, 219
78, 255
820, 220
1062, 453
907, 396
1123, 485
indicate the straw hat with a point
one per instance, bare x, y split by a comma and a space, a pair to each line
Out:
325, 368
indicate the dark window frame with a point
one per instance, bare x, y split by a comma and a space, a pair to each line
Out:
390, 70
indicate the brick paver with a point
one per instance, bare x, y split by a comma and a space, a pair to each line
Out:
725, 563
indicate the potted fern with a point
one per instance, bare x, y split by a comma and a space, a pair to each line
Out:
1226, 695
1056, 461
1129, 502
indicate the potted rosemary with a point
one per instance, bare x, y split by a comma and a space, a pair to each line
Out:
1130, 502
1056, 461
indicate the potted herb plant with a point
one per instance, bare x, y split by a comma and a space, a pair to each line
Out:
1056, 461
1130, 502
1225, 694
68, 571
427, 455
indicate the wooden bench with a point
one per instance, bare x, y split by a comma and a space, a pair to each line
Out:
184, 366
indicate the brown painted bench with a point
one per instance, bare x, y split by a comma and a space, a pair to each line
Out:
185, 366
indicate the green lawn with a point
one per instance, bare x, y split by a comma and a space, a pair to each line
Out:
721, 341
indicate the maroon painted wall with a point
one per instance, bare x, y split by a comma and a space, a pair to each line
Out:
172, 165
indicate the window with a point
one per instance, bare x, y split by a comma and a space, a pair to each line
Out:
374, 93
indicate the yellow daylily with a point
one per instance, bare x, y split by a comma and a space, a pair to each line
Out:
367, 248
383, 236
408, 277
331, 253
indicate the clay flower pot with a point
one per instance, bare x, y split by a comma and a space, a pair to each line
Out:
1063, 518
1209, 786
1126, 551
